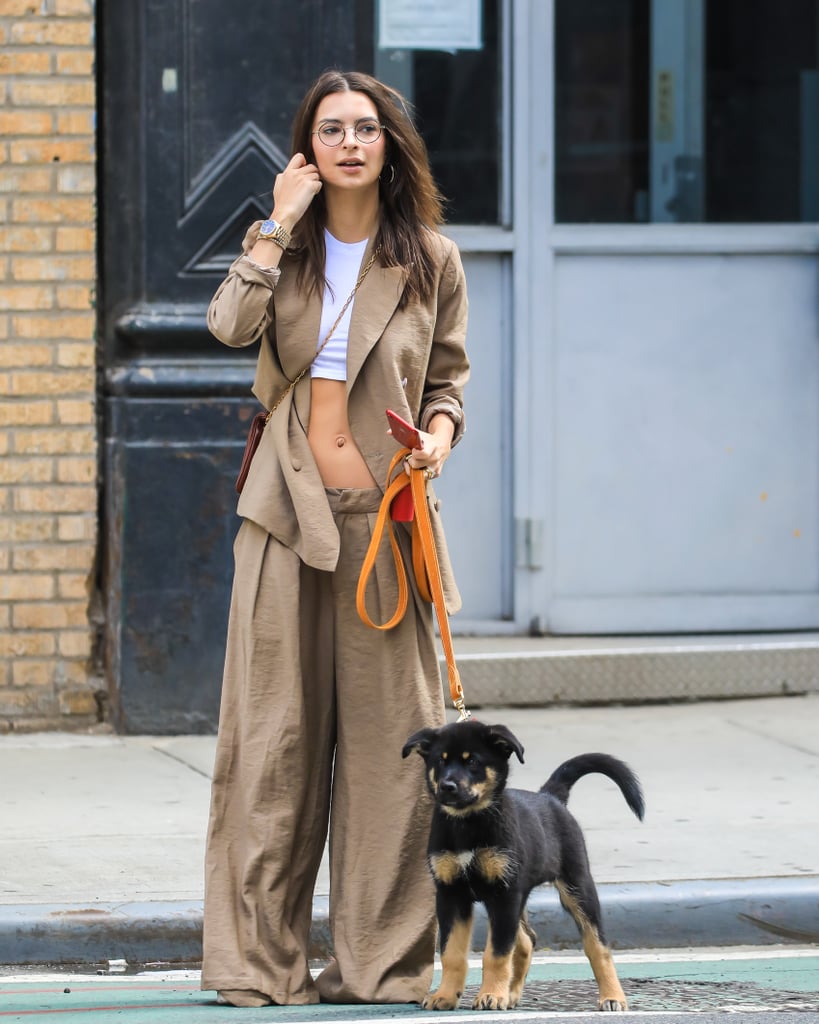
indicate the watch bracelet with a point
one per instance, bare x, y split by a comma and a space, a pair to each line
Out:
276, 241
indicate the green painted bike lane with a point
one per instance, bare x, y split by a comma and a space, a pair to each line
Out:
780, 980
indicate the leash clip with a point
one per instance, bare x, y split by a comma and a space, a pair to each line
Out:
463, 713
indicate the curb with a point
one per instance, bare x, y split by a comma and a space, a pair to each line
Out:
707, 912
644, 915
63, 933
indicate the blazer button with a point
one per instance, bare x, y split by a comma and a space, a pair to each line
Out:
296, 464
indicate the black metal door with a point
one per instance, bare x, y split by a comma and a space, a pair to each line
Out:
196, 100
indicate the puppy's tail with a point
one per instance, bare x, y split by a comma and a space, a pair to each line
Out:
560, 782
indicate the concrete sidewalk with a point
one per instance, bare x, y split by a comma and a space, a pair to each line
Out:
102, 840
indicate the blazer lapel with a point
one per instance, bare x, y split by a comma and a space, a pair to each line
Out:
298, 319
374, 304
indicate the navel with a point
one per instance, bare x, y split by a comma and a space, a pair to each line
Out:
341, 440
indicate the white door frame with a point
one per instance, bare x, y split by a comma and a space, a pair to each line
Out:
533, 423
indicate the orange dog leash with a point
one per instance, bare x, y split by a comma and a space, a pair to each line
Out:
425, 566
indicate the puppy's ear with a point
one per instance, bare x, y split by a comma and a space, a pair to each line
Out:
420, 741
505, 740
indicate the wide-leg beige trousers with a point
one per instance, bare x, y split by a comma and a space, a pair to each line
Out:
315, 709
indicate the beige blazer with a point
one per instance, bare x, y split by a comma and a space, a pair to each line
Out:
411, 360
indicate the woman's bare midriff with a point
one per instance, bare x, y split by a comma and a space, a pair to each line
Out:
339, 461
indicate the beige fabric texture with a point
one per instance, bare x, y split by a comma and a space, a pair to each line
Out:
315, 710
410, 360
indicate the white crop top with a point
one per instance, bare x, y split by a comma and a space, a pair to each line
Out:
342, 267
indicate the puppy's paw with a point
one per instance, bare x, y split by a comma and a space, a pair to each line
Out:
441, 1001
490, 1001
612, 1006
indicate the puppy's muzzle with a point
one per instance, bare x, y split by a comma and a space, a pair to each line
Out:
453, 794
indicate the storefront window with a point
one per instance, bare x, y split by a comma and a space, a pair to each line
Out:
686, 111
455, 89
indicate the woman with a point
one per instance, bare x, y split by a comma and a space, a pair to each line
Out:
315, 705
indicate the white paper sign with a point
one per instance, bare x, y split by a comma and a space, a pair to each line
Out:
429, 25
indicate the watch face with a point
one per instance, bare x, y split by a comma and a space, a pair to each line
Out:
268, 228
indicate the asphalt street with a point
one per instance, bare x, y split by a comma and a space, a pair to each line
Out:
776, 983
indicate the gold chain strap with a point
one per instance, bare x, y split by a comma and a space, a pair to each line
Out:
365, 270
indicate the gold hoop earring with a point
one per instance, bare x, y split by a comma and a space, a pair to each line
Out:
392, 174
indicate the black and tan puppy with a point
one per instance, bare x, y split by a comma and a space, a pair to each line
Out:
493, 845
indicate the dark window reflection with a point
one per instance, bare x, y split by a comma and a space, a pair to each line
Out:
601, 115
457, 104
755, 157
762, 103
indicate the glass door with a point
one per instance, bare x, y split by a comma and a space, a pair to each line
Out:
681, 361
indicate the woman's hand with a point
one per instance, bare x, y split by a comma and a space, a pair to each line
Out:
293, 191
437, 446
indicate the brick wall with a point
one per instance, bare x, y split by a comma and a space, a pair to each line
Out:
48, 436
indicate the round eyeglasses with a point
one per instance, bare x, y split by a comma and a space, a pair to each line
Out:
365, 130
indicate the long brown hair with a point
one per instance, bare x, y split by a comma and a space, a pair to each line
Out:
411, 207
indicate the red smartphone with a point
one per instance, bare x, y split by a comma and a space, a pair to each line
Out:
402, 509
404, 433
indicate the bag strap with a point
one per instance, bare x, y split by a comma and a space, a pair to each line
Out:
364, 271
426, 567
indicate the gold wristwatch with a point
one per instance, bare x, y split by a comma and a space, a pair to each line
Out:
272, 231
